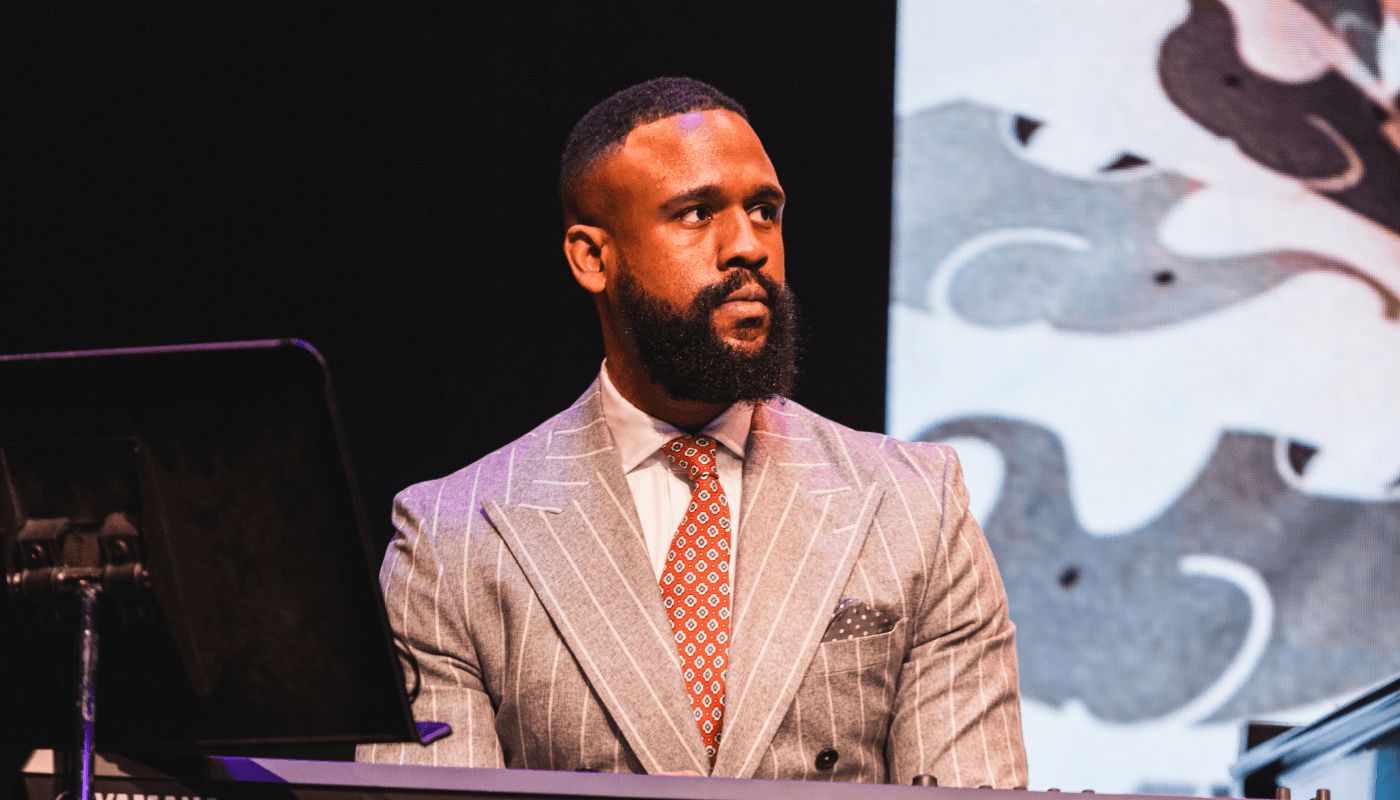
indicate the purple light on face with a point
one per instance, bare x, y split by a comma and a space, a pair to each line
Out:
691, 121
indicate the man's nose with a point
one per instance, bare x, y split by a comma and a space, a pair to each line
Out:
741, 246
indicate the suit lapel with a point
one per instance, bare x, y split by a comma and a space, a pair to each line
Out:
805, 516
575, 534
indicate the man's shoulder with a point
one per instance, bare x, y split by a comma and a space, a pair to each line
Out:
498, 474
877, 454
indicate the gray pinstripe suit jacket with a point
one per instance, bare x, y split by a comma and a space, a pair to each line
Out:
523, 585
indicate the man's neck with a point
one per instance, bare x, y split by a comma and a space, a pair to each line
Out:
631, 382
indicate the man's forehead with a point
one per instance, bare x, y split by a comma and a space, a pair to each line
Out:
689, 122
685, 145
692, 128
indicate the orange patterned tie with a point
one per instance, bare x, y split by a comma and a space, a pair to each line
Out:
695, 585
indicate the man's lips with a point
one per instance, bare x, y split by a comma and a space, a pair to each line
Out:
751, 298
744, 313
749, 291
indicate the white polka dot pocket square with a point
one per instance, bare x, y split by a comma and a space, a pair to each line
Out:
855, 619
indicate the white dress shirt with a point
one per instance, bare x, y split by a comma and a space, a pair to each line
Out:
660, 489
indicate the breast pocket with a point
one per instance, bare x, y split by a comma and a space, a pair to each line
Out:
857, 655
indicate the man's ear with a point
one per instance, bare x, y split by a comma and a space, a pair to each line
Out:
583, 247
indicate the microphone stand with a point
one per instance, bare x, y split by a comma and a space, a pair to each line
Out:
85, 689
63, 558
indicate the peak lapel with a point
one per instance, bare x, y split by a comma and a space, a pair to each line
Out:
804, 520
576, 536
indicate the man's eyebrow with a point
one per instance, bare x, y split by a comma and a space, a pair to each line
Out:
767, 193
707, 193
710, 192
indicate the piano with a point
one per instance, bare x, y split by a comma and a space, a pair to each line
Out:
238, 778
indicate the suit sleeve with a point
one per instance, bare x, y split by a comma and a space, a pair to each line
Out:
957, 710
426, 614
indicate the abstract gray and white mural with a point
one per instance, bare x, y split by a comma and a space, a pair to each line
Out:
1146, 279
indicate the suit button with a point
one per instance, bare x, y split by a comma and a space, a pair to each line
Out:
826, 759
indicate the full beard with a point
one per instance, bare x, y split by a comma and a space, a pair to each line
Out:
682, 353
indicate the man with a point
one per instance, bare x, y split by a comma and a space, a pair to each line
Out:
684, 572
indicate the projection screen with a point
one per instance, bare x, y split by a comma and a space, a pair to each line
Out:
1146, 280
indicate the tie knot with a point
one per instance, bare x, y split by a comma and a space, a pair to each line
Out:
694, 454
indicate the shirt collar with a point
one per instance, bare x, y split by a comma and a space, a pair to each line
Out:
636, 434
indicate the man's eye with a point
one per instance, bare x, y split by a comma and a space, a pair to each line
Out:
696, 214
764, 213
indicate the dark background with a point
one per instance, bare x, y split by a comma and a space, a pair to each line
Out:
379, 179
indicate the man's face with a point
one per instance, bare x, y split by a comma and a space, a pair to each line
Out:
691, 199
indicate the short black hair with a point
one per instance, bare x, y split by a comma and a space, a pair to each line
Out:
607, 124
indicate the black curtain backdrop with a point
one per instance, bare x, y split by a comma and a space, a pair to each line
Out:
379, 180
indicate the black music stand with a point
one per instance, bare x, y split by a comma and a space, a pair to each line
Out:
191, 508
